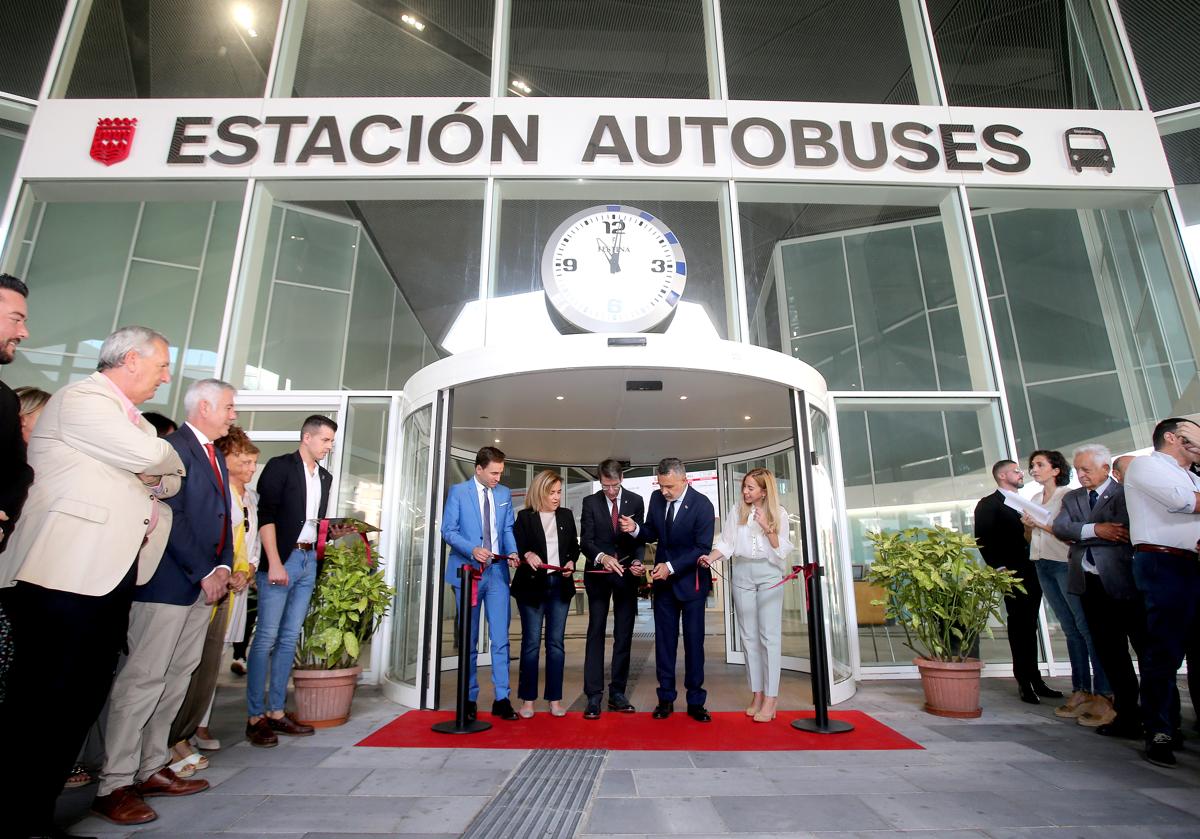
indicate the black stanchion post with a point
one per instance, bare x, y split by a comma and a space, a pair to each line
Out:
818, 662
460, 724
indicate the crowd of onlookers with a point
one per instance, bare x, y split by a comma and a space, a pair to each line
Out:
130, 548
1116, 560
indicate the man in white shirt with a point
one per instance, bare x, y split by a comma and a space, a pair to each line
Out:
1163, 496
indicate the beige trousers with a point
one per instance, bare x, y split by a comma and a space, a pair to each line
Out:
165, 643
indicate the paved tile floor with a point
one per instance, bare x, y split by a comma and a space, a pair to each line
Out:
1016, 772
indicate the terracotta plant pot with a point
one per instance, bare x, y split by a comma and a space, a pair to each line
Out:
323, 697
951, 687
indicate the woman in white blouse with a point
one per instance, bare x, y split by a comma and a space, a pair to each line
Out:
1088, 684
755, 538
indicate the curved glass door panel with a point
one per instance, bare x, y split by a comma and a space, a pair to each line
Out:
795, 622
828, 547
405, 665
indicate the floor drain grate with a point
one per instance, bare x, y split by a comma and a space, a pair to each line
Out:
544, 799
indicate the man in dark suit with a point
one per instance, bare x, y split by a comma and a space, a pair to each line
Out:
608, 549
13, 466
680, 520
1095, 520
1003, 544
169, 618
293, 496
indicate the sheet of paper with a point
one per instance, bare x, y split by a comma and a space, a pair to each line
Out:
1024, 505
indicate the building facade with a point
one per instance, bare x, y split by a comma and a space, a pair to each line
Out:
975, 227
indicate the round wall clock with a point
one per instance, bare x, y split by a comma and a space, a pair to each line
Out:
613, 268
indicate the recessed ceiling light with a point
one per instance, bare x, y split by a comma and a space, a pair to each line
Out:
560, 398
746, 417
683, 397
497, 440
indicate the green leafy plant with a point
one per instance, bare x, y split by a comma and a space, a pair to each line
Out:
348, 604
938, 589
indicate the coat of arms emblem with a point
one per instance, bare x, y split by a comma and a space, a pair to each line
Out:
113, 139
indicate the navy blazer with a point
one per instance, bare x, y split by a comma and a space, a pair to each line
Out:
691, 538
1114, 560
283, 500
596, 536
200, 511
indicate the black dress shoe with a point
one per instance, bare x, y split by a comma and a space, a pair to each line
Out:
618, 702
698, 713
1027, 693
1120, 728
1045, 691
663, 710
592, 712
472, 710
503, 709
1159, 751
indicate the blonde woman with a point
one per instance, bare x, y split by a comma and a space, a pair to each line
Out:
545, 534
32, 401
755, 539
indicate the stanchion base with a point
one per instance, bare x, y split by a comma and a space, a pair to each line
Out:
469, 727
810, 725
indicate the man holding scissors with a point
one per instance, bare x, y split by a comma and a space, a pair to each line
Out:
614, 568
478, 526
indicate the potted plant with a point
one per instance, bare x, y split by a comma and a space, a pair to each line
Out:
942, 594
347, 606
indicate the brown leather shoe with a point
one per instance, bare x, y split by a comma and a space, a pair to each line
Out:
287, 725
260, 734
166, 782
123, 806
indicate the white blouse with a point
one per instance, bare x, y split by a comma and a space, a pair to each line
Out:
1043, 545
749, 541
550, 528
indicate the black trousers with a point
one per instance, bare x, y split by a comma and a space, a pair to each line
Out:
65, 651
1115, 624
624, 605
1023, 622
1170, 588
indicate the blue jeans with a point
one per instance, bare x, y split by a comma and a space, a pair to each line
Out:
493, 595
281, 612
554, 611
1068, 608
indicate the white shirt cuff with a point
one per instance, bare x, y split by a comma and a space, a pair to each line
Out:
210, 573
1088, 531
670, 568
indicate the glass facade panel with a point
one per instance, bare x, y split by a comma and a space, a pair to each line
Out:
1183, 154
380, 48
866, 293
1094, 331
358, 273
27, 32
911, 463
165, 265
364, 446
1165, 37
812, 51
1033, 54
173, 49
651, 49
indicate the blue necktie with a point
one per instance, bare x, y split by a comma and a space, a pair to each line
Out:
1092, 496
670, 519
487, 518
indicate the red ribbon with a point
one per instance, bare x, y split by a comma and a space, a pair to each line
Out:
323, 537
797, 570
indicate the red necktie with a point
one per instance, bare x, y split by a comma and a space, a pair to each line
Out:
615, 523
212, 459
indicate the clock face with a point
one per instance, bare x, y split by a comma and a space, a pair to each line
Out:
613, 268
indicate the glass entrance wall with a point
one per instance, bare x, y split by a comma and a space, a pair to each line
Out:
409, 580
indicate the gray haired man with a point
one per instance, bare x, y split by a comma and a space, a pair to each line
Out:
169, 618
1095, 520
94, 527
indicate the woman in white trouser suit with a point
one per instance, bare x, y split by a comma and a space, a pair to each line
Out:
755, 537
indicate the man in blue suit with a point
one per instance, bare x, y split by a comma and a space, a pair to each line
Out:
169, 618
680, 519
478, 526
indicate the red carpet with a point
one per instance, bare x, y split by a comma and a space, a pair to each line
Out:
729, 731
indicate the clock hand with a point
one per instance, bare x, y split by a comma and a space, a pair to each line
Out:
614, 257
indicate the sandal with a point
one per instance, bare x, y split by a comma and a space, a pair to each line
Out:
183, 768
79, 777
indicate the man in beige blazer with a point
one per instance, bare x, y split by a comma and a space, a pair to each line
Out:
92, 528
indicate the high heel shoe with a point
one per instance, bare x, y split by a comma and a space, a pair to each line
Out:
762, 716
526, 712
